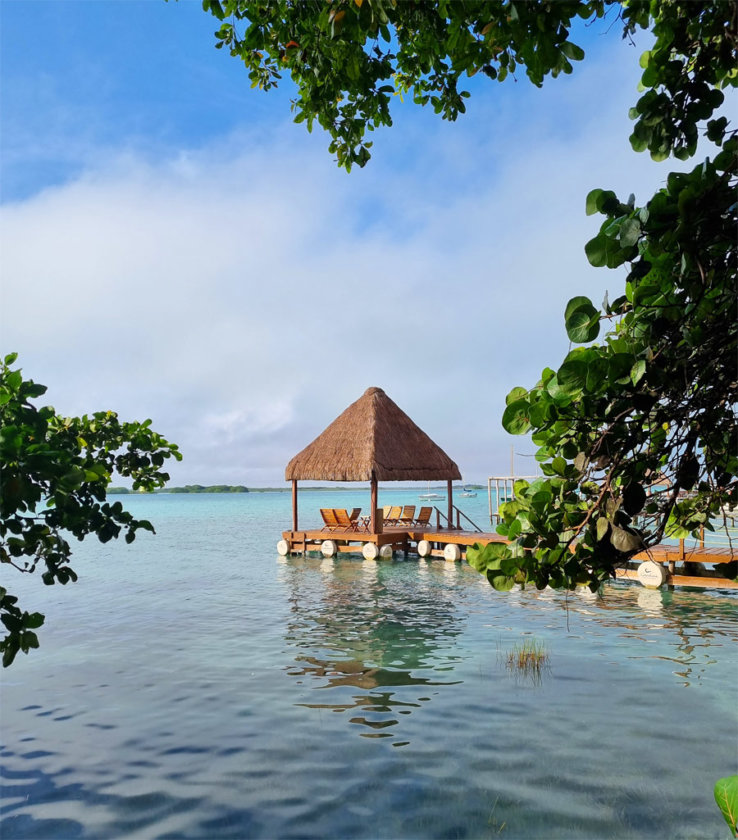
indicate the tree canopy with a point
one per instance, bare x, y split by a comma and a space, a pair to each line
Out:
637, 432
55, 472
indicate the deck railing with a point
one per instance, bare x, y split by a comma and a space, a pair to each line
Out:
504, 487
450, 526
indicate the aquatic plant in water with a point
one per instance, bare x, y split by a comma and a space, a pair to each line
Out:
529, 659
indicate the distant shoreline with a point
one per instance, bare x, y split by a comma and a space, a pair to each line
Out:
240, 488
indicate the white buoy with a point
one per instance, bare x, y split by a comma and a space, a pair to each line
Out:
329, 548
424, 548
651, 575
283, 548
386, 552
452, 552
370, 551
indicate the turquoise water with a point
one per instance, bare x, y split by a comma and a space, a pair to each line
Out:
196, 685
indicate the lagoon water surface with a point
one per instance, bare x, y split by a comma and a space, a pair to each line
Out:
196, 685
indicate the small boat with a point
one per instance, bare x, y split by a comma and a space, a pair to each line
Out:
431, 497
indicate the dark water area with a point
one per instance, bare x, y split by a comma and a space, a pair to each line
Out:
197, 685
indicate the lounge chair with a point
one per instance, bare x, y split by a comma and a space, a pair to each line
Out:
345, 522
408, 516
423, 518
329, 518
392, 518
354, 515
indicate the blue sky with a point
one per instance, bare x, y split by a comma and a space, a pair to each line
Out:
174, 247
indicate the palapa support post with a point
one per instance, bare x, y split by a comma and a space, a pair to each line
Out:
373, 521
450, 496
294, 504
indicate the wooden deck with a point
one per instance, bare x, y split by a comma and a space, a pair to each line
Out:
682, 567
401, 539
691, 570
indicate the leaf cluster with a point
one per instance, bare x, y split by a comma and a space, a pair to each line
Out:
348, 58
637, 434
55, 473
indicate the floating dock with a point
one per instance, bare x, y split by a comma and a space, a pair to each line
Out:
426, 542
662, 565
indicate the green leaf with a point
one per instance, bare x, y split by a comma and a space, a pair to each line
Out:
12, 645
558, 465
625, 541
582, 320
502, 583
726, 796
579, 302
630, 232
516, 394
637, 371
591, 204
34, 620
572, 376
515, 418
634, 498
572, 51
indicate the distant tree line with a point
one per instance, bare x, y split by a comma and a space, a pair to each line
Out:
191, 488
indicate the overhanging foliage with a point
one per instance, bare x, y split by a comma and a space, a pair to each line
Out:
53, 482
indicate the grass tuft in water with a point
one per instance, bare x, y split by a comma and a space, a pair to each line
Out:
529, 659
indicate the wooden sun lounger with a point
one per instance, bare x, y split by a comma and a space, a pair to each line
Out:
408, 516
393, 517
423, 517
329, 518
345, 522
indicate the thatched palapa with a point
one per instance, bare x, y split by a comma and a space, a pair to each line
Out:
372, 440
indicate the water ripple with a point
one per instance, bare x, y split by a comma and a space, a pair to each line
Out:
347, 700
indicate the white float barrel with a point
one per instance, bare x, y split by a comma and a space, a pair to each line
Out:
370, 551
452, 552
651, 574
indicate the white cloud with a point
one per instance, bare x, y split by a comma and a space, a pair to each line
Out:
244, 293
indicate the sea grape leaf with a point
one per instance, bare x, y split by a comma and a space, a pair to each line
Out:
634, 497
516, 394
624, 540
582, 320
515, 418
726, 796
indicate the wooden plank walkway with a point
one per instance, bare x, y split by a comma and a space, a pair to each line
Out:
697, 581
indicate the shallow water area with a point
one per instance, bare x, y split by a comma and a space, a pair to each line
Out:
196, 685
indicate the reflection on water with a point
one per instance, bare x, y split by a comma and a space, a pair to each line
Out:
359, 630
675, 611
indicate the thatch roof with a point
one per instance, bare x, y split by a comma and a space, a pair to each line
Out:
373, 438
